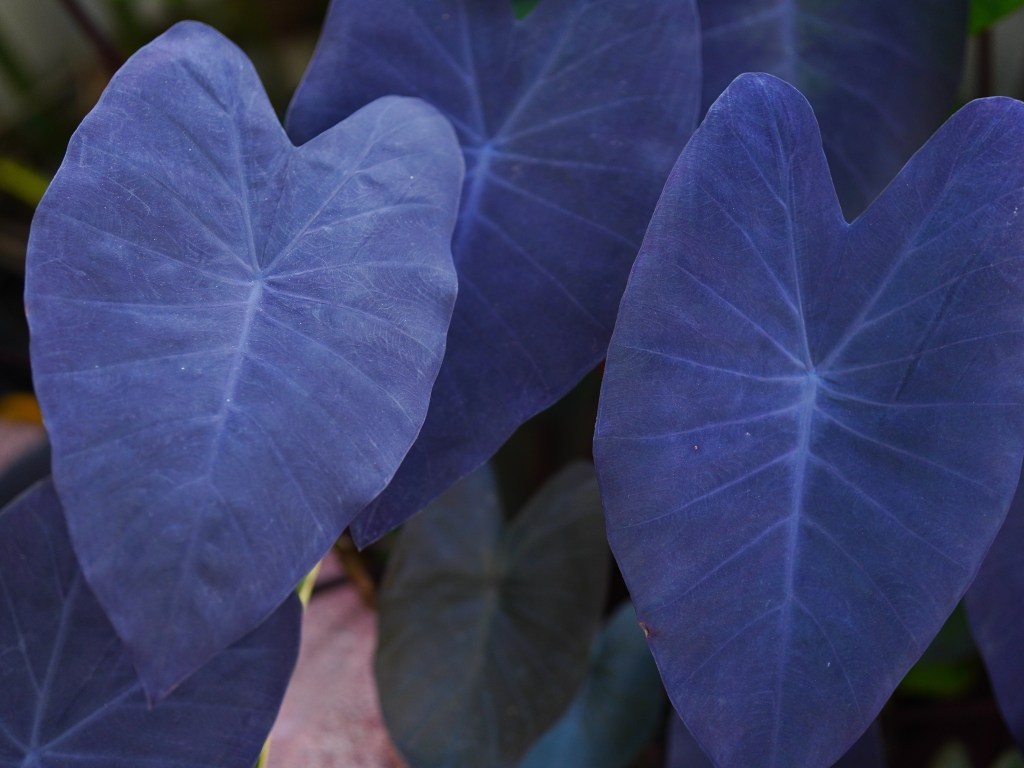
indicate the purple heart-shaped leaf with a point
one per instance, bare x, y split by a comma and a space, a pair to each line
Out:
809, 431
71, 696
233, 340
570, 120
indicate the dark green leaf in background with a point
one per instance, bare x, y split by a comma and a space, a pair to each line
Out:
956, 755
950, 667
985, 13
485, 628
523, 7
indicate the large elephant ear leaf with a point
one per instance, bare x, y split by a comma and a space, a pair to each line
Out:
570, 120
233, 340
809, 431
485, 627
994, 609
71, 695
881, 76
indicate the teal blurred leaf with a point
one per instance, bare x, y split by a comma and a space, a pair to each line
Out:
618, 710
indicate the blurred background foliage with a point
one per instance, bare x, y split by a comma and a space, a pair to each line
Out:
56, 56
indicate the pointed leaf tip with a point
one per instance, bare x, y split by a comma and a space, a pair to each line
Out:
881, 77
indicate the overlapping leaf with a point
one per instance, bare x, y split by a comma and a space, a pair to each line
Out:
994, 608
810, 431
618, 710
71, 696
881, 76
234, 340
570, 120
484, 628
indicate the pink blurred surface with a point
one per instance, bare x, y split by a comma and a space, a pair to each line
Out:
16, 438
331, 715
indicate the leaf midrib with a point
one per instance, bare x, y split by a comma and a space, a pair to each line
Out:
252, 303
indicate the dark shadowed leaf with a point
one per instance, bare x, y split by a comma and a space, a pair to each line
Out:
810, 431
570, 120
485, 628
618, 710
997, 620
233, 340
71, 696
685, 752
881, 76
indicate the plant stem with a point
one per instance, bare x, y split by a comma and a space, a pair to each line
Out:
356, 570
985, 85
112, 58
